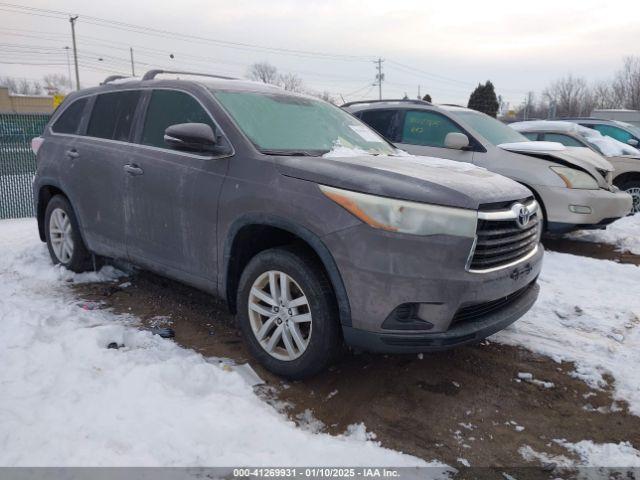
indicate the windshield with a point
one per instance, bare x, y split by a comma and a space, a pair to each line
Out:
493, 130
632, 128
282, 124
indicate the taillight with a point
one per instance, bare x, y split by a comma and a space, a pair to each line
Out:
36, 143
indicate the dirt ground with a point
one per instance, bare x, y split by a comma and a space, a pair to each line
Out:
466, 403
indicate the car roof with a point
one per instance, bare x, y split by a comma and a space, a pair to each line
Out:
404, 103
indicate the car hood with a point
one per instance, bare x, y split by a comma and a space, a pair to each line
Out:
581, 157
415, 178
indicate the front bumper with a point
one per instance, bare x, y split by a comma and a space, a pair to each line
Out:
563, 207
383, 270
461, 333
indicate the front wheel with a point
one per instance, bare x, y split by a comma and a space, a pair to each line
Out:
63, 236
633, 189
287, 313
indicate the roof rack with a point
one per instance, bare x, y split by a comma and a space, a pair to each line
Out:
406, 100
113, 78
151, 74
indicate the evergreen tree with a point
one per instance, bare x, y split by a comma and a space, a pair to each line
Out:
484, 99
427, 98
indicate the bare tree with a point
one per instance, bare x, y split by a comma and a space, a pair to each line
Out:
56, 83
627, 81
571, 96
10, 83
291, 82
263, 72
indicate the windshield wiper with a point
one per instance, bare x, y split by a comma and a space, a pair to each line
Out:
294, 153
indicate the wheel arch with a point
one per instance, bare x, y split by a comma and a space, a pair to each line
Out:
626, 177
241, 245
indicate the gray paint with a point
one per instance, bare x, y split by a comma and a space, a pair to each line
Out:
177, 214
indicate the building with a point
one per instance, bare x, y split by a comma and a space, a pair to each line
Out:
14, 103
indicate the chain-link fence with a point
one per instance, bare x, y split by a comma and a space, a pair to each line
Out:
17, 162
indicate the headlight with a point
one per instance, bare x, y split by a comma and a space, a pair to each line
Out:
403, 216
575, 178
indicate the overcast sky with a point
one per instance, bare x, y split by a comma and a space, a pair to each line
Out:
446, 47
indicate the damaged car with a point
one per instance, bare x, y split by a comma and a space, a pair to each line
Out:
572, 186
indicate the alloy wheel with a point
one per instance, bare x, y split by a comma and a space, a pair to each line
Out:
635, 194
280, 315
60, 235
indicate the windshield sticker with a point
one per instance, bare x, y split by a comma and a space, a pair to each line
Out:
366, 134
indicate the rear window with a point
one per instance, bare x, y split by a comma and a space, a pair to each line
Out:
385, 122
69, 121
112, 115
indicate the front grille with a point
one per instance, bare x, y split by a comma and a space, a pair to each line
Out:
480, 310
502, 242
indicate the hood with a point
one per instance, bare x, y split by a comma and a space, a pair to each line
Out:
419, 179
581, 157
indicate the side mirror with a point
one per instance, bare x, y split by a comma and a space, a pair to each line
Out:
193, 137
633, 142
456, 140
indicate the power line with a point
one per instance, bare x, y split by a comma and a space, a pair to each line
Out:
169, 34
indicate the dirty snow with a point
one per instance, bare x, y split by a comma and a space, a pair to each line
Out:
588, 312
68, 400
589, 454
624, 234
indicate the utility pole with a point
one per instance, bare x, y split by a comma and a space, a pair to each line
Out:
72, 20
66, 49
379, 76
419, 97
133, 68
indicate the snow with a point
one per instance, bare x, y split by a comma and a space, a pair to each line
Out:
624, 234
590, 454
533, 146
67, 400
588, 312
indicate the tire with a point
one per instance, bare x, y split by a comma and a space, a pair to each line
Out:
305, 280
74, 255
633, 188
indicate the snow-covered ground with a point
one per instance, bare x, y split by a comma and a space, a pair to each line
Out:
65, 399
588, 312
624, 234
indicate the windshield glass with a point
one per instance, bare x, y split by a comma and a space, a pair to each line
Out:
493, 130
632, 128
279, 123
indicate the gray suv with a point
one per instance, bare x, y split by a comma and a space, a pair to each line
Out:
292, 210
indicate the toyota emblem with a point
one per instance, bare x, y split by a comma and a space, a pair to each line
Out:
523, 216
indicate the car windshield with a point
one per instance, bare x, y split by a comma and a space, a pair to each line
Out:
493, 130
632, 128
282, 124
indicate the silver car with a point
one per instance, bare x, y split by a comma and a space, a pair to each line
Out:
574, 186
624, 158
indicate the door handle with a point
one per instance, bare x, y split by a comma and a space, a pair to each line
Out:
73, 153
133, 169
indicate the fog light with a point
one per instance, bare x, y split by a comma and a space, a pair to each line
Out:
580, 209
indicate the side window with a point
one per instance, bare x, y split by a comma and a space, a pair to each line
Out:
614, 132
169, 107
385, 122
69, 121
422, 127
565, 140
530, 135
112, 115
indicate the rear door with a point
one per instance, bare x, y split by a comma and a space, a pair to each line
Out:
95, 170
423, 133
172, 196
